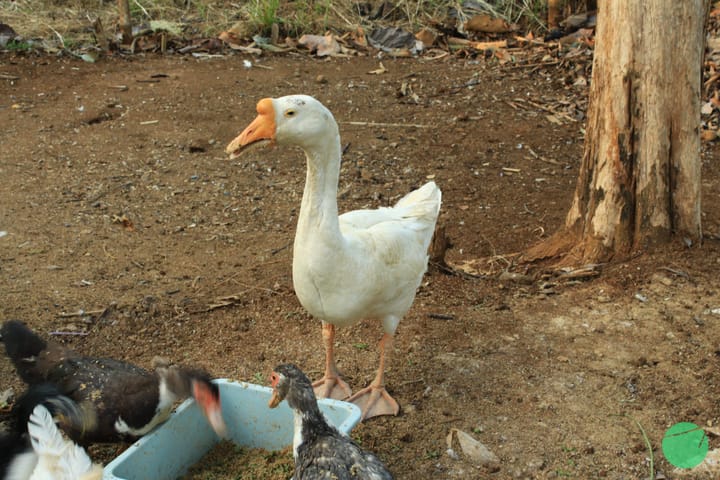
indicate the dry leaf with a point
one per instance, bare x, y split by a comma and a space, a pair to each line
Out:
487, 24
427, 37
321, 45
707, 108
708, 135
553, 119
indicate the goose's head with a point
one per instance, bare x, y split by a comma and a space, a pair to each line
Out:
298, 120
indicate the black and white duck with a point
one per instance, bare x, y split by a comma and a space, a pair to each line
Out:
129, 401
321, 452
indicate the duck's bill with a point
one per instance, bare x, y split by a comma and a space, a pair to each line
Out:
274, 399
217, 422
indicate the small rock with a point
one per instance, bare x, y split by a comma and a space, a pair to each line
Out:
321, 79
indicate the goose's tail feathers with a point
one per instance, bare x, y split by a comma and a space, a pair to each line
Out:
422, 203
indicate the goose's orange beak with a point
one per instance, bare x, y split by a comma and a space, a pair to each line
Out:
260, 132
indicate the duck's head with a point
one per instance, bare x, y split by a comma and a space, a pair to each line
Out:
299, 120
185, 382
290, 383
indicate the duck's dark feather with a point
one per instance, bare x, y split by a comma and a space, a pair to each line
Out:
337, 457
118, 390
128, 400
323, 452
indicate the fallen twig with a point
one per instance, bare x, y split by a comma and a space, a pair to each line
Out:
68, 333
380, 124
275, 251
549, 110
81, 313
679, 273
532, 65
441, 316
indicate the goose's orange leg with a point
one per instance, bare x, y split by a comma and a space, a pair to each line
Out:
331, 385
374, 400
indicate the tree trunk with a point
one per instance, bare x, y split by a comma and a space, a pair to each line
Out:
639, 182
125, 23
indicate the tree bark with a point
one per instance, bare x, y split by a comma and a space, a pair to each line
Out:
639, 181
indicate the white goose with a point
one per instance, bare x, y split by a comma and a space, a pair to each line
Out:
362, 264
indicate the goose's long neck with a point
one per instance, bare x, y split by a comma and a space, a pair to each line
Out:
318, 210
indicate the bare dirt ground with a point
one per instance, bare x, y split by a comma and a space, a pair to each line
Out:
118, 200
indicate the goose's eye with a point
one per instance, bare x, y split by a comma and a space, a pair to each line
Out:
290, 113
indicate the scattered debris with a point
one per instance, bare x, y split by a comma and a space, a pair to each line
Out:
580, 273
395, 41
640, 297
473, 449
123, 220
378, 71
484, 23
515, 277
322, 46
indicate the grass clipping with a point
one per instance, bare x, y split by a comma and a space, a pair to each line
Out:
227, 461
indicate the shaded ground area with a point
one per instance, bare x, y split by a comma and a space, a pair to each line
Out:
129, 228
